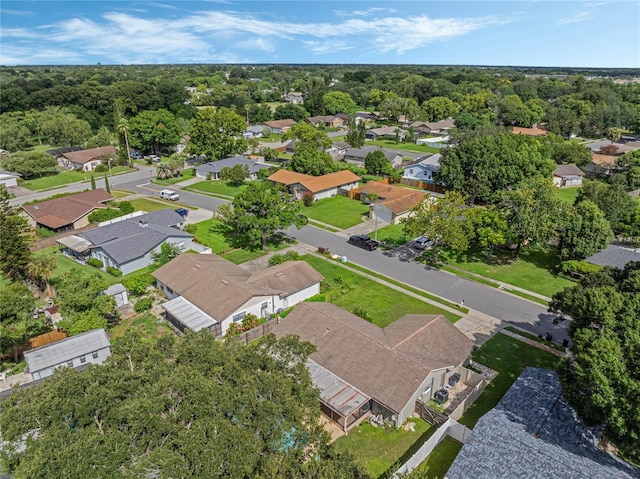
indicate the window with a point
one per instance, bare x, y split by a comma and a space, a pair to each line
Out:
264, 305
95, 355
411, 171
70, 364
181, 245
83, 360
239, 317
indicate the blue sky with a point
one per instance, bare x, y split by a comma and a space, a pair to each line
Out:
517, 32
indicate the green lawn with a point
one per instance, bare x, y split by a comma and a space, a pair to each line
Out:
568, 195
354, 292
392, 234
148, 325
219, 187
391, 144
535, 338
184, 175
339, 211
69, 176
534, 271
239, 256
149, 205
436, 465
377, 449
508, 357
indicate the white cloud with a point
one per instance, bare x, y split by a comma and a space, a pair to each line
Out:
327, 46
18, 13
257, 44
576, 18
363, 13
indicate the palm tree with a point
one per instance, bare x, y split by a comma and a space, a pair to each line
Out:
164, 171
40, 269
123, 127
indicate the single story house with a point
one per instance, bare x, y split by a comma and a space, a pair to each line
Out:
294, 98
9, 178
91, 347
325, 186
434, 141
566, 176
621, 146
214, 168
335, 151
360, 368
128, 245
279, 146
386, 132
206, 291
86, 160
601, 165
279, 126
68, 212
356, 156
256, 131
615, 256
433, 127
326, 120
533, 131
393, 203
534, 432
424, 168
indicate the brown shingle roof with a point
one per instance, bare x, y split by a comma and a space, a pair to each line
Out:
219, 287
280, 123
568, 170
85, 156
396, 198
287, 177
599, 159
63, 211
529, 131
387, 364
330, 180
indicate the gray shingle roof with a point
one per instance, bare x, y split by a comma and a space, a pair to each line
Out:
534, 433
216, 166
127, 240
615, 256
62, 351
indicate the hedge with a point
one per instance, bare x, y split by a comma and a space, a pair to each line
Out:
114, 271
96, 263
143, 304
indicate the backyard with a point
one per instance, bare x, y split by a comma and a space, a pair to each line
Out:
436, 465
219, 187
339, 211
392, 145
147, 324
509, 357
364, 297
568, 195
382, 449
63, 178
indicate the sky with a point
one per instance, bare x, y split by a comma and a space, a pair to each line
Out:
424, 32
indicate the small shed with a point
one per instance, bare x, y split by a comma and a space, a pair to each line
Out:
119, 293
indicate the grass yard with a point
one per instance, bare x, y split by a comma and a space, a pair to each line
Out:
391, 144
377, 449
147, 324
219, 187
568, 195
211, 233
239, 256
392, 234
509, 357
63, 178
184, 175
524, 334
339, 211
149, 205
353, 292
121, 193
436, 465
534, 271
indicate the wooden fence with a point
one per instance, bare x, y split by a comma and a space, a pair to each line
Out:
422, 185
259, 331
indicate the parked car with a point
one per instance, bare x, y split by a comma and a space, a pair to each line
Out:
169, 195
136, 156
363, 241
182, 212
423, 243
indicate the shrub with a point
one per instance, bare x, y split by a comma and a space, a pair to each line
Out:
96, 263
138, 284
101, 169
276, 259
307, 198
208, 177
114, 271
578, 268
105, 214
126, 207
282, 258
143, 304
250, 321
362, 313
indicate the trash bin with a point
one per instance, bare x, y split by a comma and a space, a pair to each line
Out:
343, 259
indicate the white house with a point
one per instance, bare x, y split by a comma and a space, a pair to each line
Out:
566, 176
128, 245
424, 168
209, 292
9, 178
325, 186
91, 347
86, 160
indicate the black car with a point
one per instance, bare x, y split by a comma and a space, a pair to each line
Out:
364, 242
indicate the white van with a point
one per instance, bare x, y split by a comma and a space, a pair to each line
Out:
169, 195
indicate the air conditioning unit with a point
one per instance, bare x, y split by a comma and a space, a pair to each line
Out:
441, 396
453, 379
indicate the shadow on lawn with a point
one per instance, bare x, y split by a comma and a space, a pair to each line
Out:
408, 454
237, 241
543, 259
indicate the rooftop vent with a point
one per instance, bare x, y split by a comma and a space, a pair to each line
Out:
197, 266
143, 224
36, 207
279, 274
224, 281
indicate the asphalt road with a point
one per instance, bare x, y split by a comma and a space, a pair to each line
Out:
525, 314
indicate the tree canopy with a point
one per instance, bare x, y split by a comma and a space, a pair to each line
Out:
601, 379
585, 232
217, 133
153, 131
376, 163
260, 211
30, 163
14, 239
176, 407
